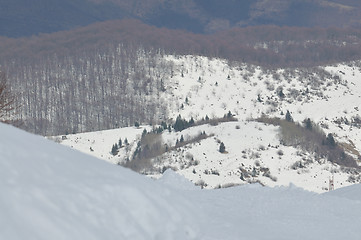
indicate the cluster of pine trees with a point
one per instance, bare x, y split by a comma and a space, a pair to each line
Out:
118, 145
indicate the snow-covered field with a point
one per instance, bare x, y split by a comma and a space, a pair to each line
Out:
49, 191
202, 87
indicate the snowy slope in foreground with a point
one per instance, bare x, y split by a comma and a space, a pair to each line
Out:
52, 192
49, 191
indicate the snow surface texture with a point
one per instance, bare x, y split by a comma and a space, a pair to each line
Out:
202, 86
52, 192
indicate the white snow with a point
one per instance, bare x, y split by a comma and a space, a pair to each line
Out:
202, 86
49, 191
52, 192
247, 144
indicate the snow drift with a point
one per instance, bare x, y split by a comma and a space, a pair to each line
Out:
49, 191
52, 192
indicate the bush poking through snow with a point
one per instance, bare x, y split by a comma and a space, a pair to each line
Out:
201, 183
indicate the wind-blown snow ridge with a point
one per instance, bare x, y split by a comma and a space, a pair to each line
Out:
51, 191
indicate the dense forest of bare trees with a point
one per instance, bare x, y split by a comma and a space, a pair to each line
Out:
8, 101
110, 74
96, 90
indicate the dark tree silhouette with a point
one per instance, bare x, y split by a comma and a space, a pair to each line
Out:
289, 117
115, 149
222, 148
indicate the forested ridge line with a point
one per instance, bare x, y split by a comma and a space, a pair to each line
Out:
112, 74
271, 46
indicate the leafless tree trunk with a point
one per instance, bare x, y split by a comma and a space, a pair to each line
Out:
7, 100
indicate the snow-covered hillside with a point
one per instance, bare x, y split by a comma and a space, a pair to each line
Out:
51, 191
202, 88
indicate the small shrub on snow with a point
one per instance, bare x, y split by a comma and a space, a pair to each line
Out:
255, 155
297, 165
201, 183
215, 172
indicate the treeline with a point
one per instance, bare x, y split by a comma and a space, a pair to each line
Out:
262, 45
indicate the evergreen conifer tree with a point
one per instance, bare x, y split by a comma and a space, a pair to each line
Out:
191, 122
222, 148
229, 114
280, 92
114, 149
179, 124
289, 117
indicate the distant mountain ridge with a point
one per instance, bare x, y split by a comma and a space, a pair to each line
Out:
18, 18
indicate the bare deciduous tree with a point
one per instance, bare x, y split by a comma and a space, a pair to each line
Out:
7, 100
